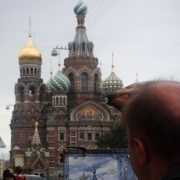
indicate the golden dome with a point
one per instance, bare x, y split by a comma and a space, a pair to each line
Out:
29, 52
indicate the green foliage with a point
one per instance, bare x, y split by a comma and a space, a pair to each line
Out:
116, 137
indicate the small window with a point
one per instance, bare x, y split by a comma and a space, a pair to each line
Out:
74, 47
89, 136
71, 78
81, 136
72, 133
57, 101
23, 71
32, 94
96, 136
31, 71
61, 136
84, 82
83, 47
96, 83
61, 157
27, 70
21, 94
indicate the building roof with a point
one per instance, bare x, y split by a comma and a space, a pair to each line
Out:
2, 144
112, 82
30, 52
59, 81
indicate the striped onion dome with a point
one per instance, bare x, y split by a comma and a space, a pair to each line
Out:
112, 82
80, 8
59, 81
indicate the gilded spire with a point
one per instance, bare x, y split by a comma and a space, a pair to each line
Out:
36, 125
30, 53
59, 63
51, 70
36, 139
29, 26
137, 77
83, 177
112, 62
59, 66
101, 65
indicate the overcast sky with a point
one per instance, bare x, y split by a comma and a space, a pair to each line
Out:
144, 36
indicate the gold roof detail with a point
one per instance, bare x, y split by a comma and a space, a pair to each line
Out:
30, 53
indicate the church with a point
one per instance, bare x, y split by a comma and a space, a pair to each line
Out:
67, 111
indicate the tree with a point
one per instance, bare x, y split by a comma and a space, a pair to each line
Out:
116, 137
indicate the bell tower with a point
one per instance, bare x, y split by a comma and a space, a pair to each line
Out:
81, 67
30, 93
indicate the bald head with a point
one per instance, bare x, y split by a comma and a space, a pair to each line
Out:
153, 115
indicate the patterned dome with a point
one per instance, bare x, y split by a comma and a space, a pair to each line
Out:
59, 82
29, 52
112, 83
80, 8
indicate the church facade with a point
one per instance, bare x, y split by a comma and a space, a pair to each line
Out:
69, 110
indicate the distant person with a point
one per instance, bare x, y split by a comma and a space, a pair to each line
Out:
10, 176
5, 172
19, 175
153, 127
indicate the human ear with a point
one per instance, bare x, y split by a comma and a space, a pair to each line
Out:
140, 151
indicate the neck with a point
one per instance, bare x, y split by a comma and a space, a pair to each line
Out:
156, 169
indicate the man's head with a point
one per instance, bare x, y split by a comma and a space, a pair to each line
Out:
153, 124
18, 169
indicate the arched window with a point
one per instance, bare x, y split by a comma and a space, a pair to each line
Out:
83, 47
23, 71
21, 94
64, 101
31, 71
96, 83
60, 100
84, 82
27, 70
32, 94
35, 71
54, 101
74, 47
71, 78
57, 101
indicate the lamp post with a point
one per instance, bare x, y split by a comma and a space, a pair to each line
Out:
7, 107
54, 51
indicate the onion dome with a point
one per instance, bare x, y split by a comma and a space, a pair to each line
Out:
112, 82
80, 8
59, 81
29, 52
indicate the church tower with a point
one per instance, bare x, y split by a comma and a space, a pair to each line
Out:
81, 67
30, 93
